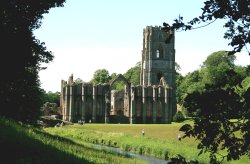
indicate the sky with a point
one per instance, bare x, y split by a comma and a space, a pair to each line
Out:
85, 36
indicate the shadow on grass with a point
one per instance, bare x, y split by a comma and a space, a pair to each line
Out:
18, 147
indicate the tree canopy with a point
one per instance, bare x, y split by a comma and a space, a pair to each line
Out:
22, 55
133, 74
101, 76
217, 97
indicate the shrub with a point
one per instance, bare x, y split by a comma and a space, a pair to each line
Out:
178, 117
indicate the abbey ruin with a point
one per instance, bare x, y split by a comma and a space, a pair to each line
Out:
153, 101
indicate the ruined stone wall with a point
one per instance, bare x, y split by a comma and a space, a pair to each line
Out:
84, 101
145, 104
151, 104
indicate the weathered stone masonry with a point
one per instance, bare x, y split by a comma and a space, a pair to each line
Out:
153, 101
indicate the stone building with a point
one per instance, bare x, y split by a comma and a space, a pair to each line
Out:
153, 101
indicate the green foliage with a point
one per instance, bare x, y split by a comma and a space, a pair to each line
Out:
51, 103
51, 97
213, 126
191, 82
133, 74
180, 159
117, 136
22, 55
178, 82
119, 85
219, 57
113, 75
218, 69
178, 117
246, 83
101, 76
159, 140
222, 95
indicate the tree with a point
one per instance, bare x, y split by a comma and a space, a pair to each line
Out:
214, 95
133, 74
191, 82
119, 85
236, 14
178, 117
101, 76
179, 79
217, 67
213, 126
51, 97
22, 55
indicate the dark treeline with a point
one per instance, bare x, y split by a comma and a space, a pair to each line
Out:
21, 56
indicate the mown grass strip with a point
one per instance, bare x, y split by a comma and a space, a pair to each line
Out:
146, 145
24, 144
160, 140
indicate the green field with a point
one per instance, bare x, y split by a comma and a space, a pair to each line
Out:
22, 144
160, 140
74, 143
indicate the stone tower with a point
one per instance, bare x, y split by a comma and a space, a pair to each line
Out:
153, 101
158, 57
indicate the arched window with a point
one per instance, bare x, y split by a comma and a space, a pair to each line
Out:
157, 54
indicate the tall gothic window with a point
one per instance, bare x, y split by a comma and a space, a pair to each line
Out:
157, 54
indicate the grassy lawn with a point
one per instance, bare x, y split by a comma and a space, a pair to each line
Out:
74, 143
160, 140
26, 144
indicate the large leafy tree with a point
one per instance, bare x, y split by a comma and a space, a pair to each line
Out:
133, 74
22, 55
191, 82
214, 95
51, 97
213, 126
101, 76
216, 69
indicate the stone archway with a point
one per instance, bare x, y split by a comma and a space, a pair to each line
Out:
120, 100
122, 78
